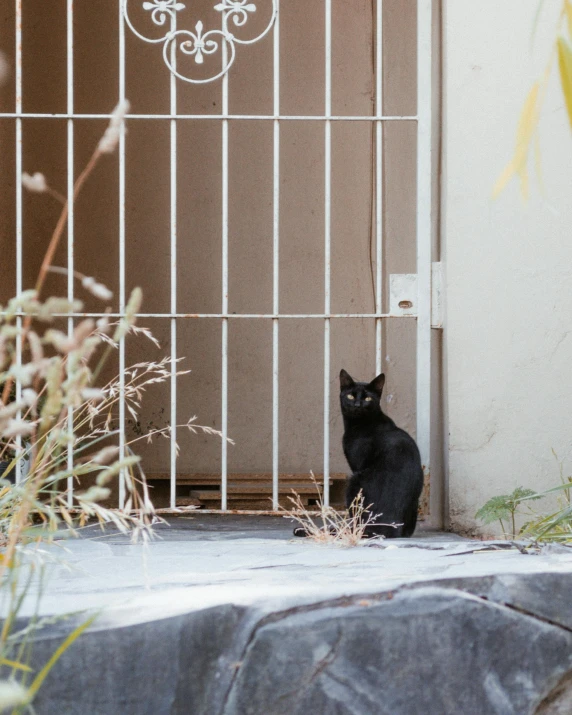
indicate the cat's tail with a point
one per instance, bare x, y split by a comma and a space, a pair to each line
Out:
300, 531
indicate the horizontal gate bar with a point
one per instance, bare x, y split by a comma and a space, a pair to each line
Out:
243, 512
251, 316
259, 117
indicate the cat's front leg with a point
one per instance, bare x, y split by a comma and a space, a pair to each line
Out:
353, 488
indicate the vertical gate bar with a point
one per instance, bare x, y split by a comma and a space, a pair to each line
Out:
121, 257
173, 230
276, 263
378, 181
327, 241
224, 380
424, 72
70, 185
19, 233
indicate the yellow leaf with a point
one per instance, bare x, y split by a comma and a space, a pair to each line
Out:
524, 134
526, 127
568, 9
565, 66
41, 676
9, 564
14, 664
503, 179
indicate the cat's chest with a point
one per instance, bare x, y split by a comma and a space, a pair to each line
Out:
359, 449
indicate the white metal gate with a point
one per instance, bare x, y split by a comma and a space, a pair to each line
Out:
181, 32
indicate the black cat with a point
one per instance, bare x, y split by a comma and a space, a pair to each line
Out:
384, 459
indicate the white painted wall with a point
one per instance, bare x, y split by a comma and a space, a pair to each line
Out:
509, 264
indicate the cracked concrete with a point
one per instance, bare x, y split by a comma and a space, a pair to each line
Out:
251, 622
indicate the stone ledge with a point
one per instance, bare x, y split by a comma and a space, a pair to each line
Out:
473, 646
213, 621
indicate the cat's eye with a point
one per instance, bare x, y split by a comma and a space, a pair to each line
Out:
350, 397
368, 399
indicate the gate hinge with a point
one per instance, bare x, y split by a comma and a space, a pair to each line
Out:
403, 295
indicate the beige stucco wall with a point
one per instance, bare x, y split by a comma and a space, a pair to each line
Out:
508, 263
250, 212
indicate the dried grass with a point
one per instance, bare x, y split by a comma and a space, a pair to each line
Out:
328, 526
60, 424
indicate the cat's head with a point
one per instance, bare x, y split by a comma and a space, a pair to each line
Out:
360, 399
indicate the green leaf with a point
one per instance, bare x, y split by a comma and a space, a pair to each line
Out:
495, 509
503, 506
535, 23
556, 521
539, 495
565, 66
522, 494
527, 527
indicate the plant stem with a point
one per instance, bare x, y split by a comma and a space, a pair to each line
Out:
58, 231
30, 495
103, 359
49, 256
513, 522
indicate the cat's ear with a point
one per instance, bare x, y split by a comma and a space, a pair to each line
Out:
346, 381
376, 385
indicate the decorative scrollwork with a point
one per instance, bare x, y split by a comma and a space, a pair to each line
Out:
163, 9
197, 44
237, 9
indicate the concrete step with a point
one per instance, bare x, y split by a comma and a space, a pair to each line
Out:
214, 479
